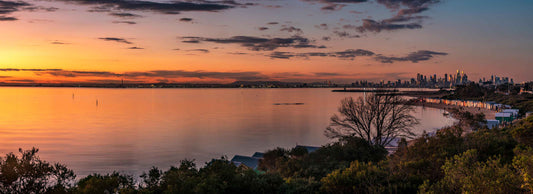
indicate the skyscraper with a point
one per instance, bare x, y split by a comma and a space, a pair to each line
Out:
458, 78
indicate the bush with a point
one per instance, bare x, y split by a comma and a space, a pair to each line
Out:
30, 174
466, 174
109, 183
358, 178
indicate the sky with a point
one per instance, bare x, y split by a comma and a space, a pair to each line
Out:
200, 41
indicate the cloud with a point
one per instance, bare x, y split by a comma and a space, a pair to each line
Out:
124, 22
403, 19
343, 1
349, 54
272, 23
101, 8
334, 5
282, 55
40, 8
415, 57
245, 76
395, 4
257, 43
58, 42
374, 26
237, 53
323, 26
161, 74
291, 29
121, 40
200, 50
288, 75
125, 15
185, 19
273, 6
172, 7
15, 69
4, 18
191, 41
335, 1
65, 73
344, 34
135, 48
263, 28
328, 74
8, 7
411, 11
22, 80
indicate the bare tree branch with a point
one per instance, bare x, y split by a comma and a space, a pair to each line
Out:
378, 118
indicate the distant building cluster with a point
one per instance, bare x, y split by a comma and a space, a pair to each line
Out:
432, 81
495, 81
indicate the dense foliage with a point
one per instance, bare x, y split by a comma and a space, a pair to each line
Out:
30, 174
451, 161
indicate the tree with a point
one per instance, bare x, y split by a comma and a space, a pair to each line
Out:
523, 163
523, 131
30, 174
151, 181
377, 118
323, 161
109, 183
182, 179
358, 178
465, 173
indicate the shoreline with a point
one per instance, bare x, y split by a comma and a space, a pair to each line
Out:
489, 114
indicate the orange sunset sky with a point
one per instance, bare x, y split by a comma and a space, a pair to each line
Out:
199, 41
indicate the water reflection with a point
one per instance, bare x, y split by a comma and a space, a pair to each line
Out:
133, 129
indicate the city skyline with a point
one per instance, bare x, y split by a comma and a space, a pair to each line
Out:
198, 41
436, 81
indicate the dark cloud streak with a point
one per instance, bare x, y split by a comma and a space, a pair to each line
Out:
378, 26
9, 7
257, 43
160, 7
415, 57
125, 15
349, 54
185, 19
14, 69
404, 18
124, 22
120, 40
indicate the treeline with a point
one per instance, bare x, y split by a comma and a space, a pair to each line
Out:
485, 161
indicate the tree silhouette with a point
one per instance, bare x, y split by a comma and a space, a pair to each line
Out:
30, 174
377, 118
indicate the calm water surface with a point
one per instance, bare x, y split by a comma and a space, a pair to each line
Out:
130, 130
